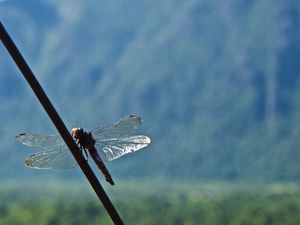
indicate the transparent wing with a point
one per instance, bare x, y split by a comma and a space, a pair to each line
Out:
41, 140
114, 148
123, 128
60, 158
116, 140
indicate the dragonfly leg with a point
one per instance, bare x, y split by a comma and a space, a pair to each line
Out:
86, 154
82, 149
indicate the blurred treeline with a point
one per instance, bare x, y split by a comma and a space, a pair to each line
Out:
255, 207
216, 82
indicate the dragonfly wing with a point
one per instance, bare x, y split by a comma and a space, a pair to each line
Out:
122, 128
60, 158
41, 140
114, 148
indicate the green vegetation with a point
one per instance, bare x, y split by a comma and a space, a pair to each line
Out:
193, 204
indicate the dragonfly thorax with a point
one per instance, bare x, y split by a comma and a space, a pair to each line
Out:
85, 139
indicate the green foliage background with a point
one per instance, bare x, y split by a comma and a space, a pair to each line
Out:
209, 204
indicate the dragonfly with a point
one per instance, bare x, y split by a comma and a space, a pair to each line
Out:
108, 142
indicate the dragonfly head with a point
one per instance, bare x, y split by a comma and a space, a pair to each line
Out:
77, 132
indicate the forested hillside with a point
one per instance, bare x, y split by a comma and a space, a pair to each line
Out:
216, 82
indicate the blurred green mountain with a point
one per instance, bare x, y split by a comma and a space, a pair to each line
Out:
216, 83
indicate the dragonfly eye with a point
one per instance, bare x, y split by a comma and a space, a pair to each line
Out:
76, 132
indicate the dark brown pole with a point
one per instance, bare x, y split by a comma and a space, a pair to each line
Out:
44, 100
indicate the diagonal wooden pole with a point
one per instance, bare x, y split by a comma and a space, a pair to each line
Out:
57, 121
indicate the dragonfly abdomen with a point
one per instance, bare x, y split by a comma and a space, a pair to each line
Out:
95, 156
